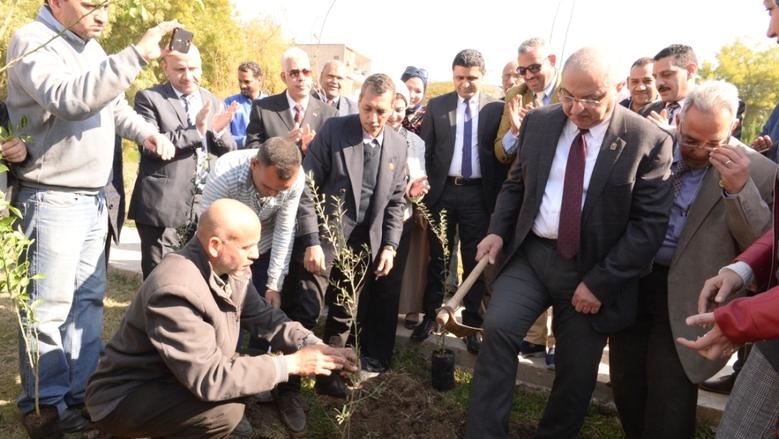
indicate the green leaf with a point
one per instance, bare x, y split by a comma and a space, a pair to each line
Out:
23, 122
3, 168
144, 13
133, 11
201, 5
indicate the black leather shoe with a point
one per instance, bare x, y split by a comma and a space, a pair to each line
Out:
332, 385
473, 343
291, 411
722, 385
72, 420
369, 364
423, 330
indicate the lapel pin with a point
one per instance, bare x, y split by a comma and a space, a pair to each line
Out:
613, 146
314, 114
392, 166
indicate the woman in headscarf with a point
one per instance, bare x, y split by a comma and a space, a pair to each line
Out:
415, 79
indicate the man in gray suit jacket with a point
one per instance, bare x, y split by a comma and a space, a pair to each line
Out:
723, 204
583, 212
355, 160
330, 83
291, 113
166, 192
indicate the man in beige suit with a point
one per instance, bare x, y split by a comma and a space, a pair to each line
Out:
722, 202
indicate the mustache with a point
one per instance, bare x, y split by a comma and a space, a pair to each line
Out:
663, 88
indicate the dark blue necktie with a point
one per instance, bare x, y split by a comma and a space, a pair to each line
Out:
467, 129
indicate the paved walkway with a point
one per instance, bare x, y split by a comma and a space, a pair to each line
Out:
127, 257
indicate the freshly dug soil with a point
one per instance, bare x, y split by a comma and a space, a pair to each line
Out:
393, 405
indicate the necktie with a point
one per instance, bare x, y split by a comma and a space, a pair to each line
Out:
465, 168
188, 108
569, 231
538, 100
678, 169
671, 109
298, 114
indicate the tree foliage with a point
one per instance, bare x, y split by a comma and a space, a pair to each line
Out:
755, 75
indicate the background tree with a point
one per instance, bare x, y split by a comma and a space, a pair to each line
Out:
755, 75
15, 13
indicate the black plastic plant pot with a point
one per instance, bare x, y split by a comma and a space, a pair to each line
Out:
442, 369
43, 426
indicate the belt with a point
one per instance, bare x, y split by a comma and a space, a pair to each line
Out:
547, 241
462, 181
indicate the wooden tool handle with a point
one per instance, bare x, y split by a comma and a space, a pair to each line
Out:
457, 298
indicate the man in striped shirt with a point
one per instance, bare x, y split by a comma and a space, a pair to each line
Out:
268, 180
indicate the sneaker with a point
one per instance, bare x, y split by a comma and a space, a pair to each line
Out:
244, 428
531, 350
550, 359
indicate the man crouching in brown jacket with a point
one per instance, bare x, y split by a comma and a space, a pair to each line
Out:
171, 369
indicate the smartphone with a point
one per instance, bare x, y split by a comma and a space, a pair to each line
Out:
180, 40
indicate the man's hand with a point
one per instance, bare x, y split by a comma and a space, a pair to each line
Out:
762, 144
384, 262
304, 136
201, 120
714, 344
489, 246
314, 259
516, 113
160, 145
660, 119
223, 118
273, 297
14, 150
149, 45
320, 359
719, 286
733, 166
584, 301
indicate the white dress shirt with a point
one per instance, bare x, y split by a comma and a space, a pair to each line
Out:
292, 103
547, 222
455, 168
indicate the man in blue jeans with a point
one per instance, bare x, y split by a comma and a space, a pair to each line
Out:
72, 94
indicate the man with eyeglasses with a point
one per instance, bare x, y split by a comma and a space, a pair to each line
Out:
723, 192
641, 85
292, 113
580, 225
674, 70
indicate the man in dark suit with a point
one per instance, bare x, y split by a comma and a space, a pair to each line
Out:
331, 83
722, 197
291, 113
583, 211
674, 71
355, 160
166, 192
460, 172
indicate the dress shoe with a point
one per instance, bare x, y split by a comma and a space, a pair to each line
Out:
722, 385
332, 385
73, 421
473, 343
373, 365
244, 428
531, 350
411, 321
291, 410
423, 330
549, 360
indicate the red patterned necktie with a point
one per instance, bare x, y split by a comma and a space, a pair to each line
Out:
569, 231
298, 114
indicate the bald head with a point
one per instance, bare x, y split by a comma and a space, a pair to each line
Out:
183, 70
589, 87
332, 77
229, 232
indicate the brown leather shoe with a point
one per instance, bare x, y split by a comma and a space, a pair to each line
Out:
722, 385
291, 411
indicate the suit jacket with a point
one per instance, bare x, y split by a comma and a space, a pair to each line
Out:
656, 106
716, 231
344, 107
270, 117
335, 159
114, 194
439, 129
505, 122
625, 214
164, 189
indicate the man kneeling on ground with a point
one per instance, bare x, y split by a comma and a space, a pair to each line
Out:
172, 369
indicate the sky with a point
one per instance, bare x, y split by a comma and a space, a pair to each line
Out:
429, 33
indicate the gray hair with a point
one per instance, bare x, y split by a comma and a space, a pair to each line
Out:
281, 153
711, 97
293, 53
378, 84
532, 44
593, 60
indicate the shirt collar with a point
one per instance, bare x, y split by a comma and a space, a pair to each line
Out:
366, 138
598, 132
550, 87
292, 102
47, 18
474, 99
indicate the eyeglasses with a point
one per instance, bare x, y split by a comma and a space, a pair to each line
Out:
298, 72
567, 99
686, 143
412, 71
532, 68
